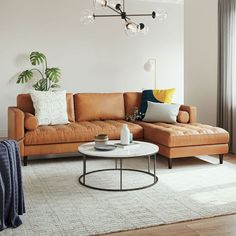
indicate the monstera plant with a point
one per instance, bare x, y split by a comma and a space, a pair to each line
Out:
49, 77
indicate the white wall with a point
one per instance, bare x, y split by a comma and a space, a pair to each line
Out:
93, 58
200, 57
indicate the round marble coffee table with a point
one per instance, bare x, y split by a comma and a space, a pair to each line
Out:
141, 149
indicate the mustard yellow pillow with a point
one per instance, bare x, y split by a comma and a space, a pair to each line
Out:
164, 96
157, 95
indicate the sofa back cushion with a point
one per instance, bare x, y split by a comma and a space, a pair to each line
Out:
132, 100
99, 106
24, 103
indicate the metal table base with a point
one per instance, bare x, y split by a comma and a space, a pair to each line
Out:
82, 178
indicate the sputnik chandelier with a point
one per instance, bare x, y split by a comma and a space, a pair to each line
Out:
118, 7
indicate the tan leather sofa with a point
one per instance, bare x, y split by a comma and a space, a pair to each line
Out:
91, 114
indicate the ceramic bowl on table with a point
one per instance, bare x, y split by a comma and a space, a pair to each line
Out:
101, 140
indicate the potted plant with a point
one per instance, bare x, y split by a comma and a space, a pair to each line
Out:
49, 77
137, 115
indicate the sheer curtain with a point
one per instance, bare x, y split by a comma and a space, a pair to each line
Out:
227, 69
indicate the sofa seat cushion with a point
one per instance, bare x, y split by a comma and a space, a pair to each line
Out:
182, 135
83, 131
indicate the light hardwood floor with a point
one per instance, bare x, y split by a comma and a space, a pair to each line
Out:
218, 226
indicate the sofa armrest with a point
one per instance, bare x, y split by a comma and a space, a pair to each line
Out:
192, 112
16, 129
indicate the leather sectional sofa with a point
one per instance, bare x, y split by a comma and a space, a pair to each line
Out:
92, 113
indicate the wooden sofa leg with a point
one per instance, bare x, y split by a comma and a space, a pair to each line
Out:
25, 160
221, 157
170, 163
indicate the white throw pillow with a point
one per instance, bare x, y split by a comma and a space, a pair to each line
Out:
50, 107
161, 112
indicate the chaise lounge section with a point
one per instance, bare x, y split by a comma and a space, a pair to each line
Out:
182, 139
91, 114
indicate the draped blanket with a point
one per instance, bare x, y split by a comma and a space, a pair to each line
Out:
11, 190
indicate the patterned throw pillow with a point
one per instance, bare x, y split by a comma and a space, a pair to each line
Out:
50, 107
161, 96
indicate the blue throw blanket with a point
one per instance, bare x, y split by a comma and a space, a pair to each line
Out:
11, 190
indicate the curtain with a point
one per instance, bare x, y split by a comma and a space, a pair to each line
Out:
227, 69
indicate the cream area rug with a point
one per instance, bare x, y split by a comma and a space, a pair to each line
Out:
58, 205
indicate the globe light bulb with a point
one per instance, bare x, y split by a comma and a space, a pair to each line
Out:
131, 29
143, 29
87, 17
113, 3
161, 15
100, 3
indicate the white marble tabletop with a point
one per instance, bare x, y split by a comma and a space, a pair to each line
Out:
137, 150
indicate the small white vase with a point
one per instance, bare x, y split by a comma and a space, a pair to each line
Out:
125, 135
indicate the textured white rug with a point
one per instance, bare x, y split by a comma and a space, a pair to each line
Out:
58, 205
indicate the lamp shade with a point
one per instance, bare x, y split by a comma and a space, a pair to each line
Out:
149, 66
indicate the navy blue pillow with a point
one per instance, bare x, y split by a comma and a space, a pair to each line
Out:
147, 95
156, 95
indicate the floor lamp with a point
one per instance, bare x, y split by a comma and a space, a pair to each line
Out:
151, 65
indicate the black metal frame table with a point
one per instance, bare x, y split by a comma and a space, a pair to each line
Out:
111, 155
